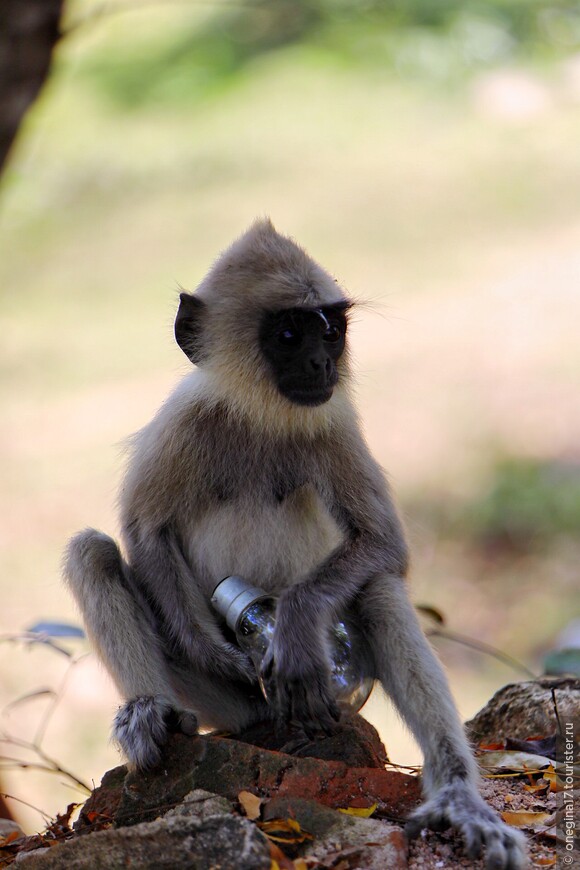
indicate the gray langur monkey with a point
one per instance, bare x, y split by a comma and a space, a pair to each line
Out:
256, 466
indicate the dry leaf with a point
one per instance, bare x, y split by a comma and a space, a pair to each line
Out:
526, 819
348, 858
9, 838
539, 787
362, 812
251, 804
279, 860
545, 861
552, 777
294, 825
537, 745
519, 762
284, 831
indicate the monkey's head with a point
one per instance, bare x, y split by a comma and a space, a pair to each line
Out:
268, 325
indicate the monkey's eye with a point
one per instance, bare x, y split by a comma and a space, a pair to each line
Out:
289, 336
332, 334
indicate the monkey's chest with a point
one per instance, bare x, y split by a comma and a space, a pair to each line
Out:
270, 542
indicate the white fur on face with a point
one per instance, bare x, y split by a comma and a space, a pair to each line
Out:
263, 271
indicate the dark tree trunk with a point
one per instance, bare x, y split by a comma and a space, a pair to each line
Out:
29, 30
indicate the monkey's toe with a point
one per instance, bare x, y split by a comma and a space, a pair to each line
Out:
182, 722
458, 805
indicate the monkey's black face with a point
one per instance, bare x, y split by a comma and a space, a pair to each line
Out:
302, 347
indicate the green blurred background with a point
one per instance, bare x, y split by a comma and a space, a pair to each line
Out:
427, 153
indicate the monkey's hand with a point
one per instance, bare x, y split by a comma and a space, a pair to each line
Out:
458, 805
296, 675
227, 660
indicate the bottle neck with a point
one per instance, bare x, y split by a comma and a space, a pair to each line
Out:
232, 596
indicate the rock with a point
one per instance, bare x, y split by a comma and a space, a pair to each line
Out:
7, 826
104, 800
522, 710
225, 766
175, 843
356, 742
186, 812
201, 804
327, 770
369, 843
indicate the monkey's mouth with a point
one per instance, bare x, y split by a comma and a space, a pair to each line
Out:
308, 396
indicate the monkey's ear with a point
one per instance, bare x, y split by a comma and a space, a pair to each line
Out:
189, 326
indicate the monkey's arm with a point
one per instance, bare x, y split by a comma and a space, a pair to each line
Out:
296, 668
413, 677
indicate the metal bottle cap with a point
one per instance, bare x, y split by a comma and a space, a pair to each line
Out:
231, 597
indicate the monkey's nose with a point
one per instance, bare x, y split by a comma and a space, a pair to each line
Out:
319, 364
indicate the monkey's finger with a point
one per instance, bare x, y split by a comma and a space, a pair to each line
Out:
334, 710
283, 700
314, 708
326, 721
267, 667
473, 843
413, 828
429, 816
270, 680
324, 707
269, 683
496, 857
297, 708
310, 730
516, 855
181, 722
505, 849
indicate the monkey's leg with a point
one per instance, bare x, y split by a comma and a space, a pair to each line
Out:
157, 560
128, 645
412, 675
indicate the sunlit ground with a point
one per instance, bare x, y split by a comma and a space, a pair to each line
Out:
455, 218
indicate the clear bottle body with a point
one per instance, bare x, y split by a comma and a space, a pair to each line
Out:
255, 630
254, 620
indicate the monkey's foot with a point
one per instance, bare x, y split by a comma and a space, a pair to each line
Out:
457, 805
142, 725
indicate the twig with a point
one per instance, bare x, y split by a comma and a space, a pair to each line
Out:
12, 797
482, 647
49, 766
30, 696
51, 707
32, 637
555, 703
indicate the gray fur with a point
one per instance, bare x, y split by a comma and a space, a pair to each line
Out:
140, 729
230, 477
